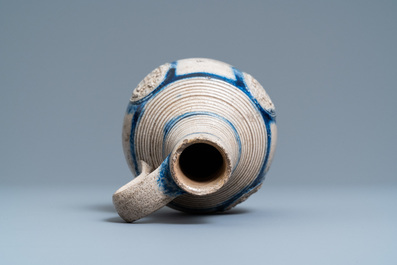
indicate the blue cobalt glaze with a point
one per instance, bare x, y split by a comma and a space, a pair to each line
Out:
137, 108
136, 111
171, 123
165, 181
131, 108
172, 77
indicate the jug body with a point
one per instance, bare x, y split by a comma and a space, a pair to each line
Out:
207, 128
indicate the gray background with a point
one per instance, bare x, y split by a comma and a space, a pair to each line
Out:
67, 70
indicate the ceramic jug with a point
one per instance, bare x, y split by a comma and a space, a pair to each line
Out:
199, 135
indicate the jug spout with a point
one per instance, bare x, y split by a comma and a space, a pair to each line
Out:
201, 164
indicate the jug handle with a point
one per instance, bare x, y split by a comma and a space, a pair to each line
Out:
147, 193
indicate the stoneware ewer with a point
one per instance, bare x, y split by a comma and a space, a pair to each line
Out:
199, 135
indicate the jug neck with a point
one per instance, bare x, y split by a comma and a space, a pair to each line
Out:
201, 163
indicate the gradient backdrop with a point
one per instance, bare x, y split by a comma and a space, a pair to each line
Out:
67, 70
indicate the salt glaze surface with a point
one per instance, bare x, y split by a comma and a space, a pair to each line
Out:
199, 135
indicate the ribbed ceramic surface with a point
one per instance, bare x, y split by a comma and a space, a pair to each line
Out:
194, 96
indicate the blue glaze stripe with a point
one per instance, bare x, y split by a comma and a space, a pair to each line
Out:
171, 123
172, 77
136, 111
165, 181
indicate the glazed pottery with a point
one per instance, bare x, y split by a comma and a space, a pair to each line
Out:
199, 135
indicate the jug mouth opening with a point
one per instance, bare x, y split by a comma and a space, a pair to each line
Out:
200, 166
